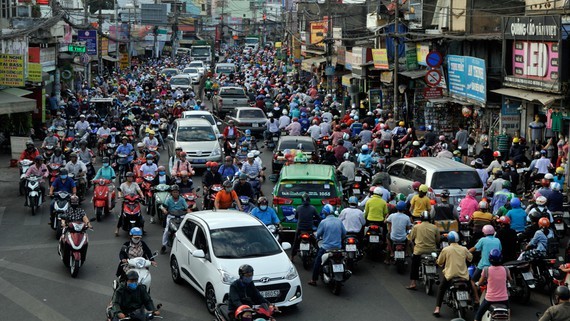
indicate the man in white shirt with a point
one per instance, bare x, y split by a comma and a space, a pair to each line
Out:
314, 130
284, 120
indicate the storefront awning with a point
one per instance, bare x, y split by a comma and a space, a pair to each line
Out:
445, 100
16, 92
414, 74
543, 98
307, 64
10, 104
109, 58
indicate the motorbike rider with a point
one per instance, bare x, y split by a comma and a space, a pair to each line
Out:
425, 237
294, 128
508, 238
87, 156
181, 165
500, 198
265, 213
61, 183
231, 130
556, 199
542, 165
243, 292
78, 169
173, 158
453, 259
57, 157
307, 217
149, 168
443, 210
211, 176
272, 127
538, 245
365, 157
559, 176
125, 148
376, 210
186, 185
226, 197
481, 218
484, 245
331, 230
172, 204
154, 125
103, 132
107, 172
495, 277
127, 188
130, 299
468, 206
252, 168
135, 247
75, 214
50, 139
347, 169
398, 225
560, 311
81, 127
58, 121
30, 152
540, 210
228, 168
243, 188
113, 137
420, 203
517, 216
353, 218
150, 142
39, 169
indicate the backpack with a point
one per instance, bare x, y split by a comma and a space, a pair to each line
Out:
552, 246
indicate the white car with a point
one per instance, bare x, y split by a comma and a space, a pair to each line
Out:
193, 73
210, 246
197, 138
200, 65
181, 81
204, 115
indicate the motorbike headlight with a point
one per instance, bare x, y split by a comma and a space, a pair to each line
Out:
227, 278
217, 151
292, 273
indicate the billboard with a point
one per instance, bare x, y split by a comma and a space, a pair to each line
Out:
318, 33
467, 78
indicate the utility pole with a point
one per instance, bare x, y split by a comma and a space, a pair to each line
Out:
328, 44
222, 25
100, 43
117, 54
175, 30
155, 40
396, 62
86, 23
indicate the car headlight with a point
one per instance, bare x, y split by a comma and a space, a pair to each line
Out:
227, 278
217, 151
292, 273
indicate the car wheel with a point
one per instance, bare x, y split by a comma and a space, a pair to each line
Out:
210, 298
175, 270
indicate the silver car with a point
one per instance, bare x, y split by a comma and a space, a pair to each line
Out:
193, 73
197, 139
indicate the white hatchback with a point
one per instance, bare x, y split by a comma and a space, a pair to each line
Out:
210, 246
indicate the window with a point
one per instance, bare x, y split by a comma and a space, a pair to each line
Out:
243, 242
188, 229
251, 113
419, 175
395, 170
233, 92
294, 144
195, 134
456, 180
200, 240
407, 172
191, 71
209, 118
180, 81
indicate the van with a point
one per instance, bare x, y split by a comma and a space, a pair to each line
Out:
319, 181
437, 173
225, 68
197, 138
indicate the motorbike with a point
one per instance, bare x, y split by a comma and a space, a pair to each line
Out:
211, 196
543, 270
90, 172
25, 164
522, 281
174, 224
130, 133
230, 146
428, 272
324, 142
80, 184
153, 150
361, 182
138, 315
272, 140
245, 202
559, 225
121, 166
48, 152
146, 188
559, 278
110, 150
353, 254
458, 297
385, 151
260, 313
34, 195
255, 182
374, 244
161, 192
497, 312
53, 171
274, 229
73, 245
334, 272
60, 207
131, 214
208, 94
101, 198
92, 139
400, 256
139, 265
191, 198
465, 231
306, 250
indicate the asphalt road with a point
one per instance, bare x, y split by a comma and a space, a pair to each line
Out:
35, 285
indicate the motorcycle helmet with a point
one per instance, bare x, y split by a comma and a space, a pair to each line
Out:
365, 148
136, 231
401, 124
400, 197
262, 201
472, 192
74, 154
548, 176
423, 188
174, 188
424, 216
507, 184
74, 200
29, 143
483, 205
540, 201
345, 136
63, 171
496, 154
182, 173
504, 220
247, 132
488, 230
562, 293
456, 152
416, 185
377, 190
559, 170
129, 174
353, 200
445, 193
132, 275
182, 154
515, 203
452, 237
543, 222
401, 206
140, 145
39, 158
416, 143
327, 209
329, 148
241, 310
495, 257
227, 184
555, 186
516, 140
245, 269
441, 138
346, 156
542, 152
149, 156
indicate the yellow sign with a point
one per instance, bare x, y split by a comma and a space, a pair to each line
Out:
380, 57
278, 44
124, 61
104, 46
318, 33
12, 70
34, 72
423, 50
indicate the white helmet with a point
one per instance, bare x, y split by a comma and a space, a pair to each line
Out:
378, 191
549, 176
541, 200
345, 136
285, 112
555, 186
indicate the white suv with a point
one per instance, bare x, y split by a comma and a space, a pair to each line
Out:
210, 246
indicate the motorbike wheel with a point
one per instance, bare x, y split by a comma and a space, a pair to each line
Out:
99, 213
461, 313
400, 266
73, 266
559, 234
33, 205
552, 297
428, 284
306, 262
524, 296
336, 287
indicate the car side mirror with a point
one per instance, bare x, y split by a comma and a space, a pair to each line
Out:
199, 254
286, 246
218, 123
169, 136
220, 136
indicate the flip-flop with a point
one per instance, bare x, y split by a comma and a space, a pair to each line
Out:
436, 314
412, 288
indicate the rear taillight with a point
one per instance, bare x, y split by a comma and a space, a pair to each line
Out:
351, 241
356, 185
374, 227
282, 201
332, 201
305, 236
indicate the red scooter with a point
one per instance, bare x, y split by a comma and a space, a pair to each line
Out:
146, 188
191, 198
211, 197
53, 171
101, 197
131, 213
73, 246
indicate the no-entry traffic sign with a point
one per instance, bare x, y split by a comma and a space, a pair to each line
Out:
434, 59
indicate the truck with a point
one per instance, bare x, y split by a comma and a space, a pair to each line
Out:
252, 42
229, 98
202, 53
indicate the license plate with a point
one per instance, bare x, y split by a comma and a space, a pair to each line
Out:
351, 247
270, 293
338, 268
199, 161
254, 125
386, 150
325, 142
444, 244
559, 226
356, 191
304, 246
358, 178
374, 239
399, 254
462, 295
430, 269
466, 233
527, 276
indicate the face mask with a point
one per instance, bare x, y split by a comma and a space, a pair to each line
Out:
149, 162
105, 164
63, 176
263, 207
161, 173
209, 169
247, 280
132, 286
135, 240
228, 190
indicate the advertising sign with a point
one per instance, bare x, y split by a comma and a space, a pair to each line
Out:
535, 65
380, 58
12, 70
423, 50
545, 28
34, 72
411, 57
510, 115
467, 77
318, 33
90, 38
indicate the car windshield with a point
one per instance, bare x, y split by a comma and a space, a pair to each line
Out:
251, 113
200, 51
251, 40
318, 189
456, 180
209, 118
243, 242
170, 72
237, 92
294, 144
225, 69
190, 71
195, 134
196, 64
180, 81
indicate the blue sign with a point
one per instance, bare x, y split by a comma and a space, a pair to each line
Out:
90, 38
434, 59
467, 77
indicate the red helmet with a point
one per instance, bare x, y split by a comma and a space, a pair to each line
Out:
365, 126
242, 309
544, 182
544, 223
208, 164
496, 154
214, 164
329, 148
416, 185
504, 220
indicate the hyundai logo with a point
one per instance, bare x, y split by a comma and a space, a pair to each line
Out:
198, 153
264, 280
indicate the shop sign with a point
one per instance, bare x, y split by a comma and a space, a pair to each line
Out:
358, 56
467, 77
349, 60
380, 58
543, 28
34, 72
12, 70
90, 38
345, 80
124, 61
422, 50
433, 92
510, 115
337, 34
411, 57
318, 33
535, 65
341, 55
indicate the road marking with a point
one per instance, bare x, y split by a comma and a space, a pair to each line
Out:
84, 285
36, 219
28, 247
2, 210
39, 309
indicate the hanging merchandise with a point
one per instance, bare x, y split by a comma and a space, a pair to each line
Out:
466, 111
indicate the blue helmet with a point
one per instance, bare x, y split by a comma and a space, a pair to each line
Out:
136, 231
327, 209
495, 257
515, 203
248, 132
401, 205
303, 114
353, 200
453, 237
